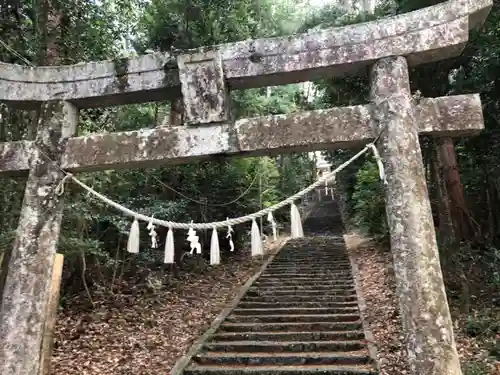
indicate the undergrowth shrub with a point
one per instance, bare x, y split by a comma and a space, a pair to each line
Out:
368, 201
475, 368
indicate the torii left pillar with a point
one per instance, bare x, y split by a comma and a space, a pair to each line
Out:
24, 298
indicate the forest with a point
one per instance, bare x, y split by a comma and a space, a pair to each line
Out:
103, 285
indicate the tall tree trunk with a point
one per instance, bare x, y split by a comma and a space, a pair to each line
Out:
49, 31
3, 122
446, 228
491, 215
489, 197
454, 187
341, 193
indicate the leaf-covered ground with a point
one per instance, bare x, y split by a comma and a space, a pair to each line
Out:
377, 285
144, 329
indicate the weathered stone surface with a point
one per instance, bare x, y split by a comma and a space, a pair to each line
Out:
424, 308
345, 127
15, 156
478, 12
461, 115
203, 88
24, 299
94, 84
432, 33
316, 130
348, 49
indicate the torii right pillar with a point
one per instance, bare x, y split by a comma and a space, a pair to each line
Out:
427, 323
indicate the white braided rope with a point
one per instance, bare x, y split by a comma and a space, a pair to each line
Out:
217, 224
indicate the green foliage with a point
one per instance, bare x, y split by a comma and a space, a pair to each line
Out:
184, 24
369, 201
475, 368
331, 15
404, 6
272, 101
483, 324
93, 235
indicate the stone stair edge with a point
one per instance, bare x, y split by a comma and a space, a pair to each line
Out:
185, 360
288, 320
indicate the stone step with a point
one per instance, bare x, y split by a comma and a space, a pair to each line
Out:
277, 293
309, 283
285, 318
333, 268
295, 288
295, 311
300, 317
271, 292
336, 267
283, 346
309, 286
307, 247
313, 256
293, 283
314, 261
291, 326
359, 357
336, 252
325, 277
304, 273
322, 266
295, 278
306, 290
312, 280
311, 262
300, 298
332, 272
281, 370
289, 336
294, 304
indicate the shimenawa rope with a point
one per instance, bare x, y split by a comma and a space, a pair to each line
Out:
225, 223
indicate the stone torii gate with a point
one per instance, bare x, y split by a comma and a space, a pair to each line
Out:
203, 78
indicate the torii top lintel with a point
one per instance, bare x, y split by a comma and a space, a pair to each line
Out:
429, 34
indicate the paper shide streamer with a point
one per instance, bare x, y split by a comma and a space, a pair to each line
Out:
134, 238
169, 247
270, 219
153, 234
214, 248
194, 241
229, 236
256, 239
295, 222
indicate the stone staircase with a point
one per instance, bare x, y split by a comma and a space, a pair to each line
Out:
300, 316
